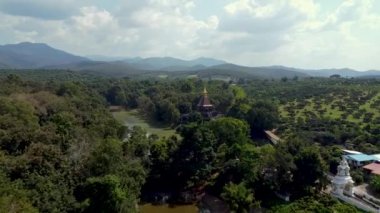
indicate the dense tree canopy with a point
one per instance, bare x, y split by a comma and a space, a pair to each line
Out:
62, 151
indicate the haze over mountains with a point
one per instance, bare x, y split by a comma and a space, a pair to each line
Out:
38, 55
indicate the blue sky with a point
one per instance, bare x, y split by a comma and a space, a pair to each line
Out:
298, 33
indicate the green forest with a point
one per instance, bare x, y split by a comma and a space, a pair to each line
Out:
63, 150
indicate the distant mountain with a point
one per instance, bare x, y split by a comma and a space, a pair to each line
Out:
34, 55
3, 66
262, 72
106, 58
28, 55
166, 63
232, 71
344, 72
114, 69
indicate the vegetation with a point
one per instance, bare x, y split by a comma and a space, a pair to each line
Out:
60, 146
239, 198
61, 150
315, 204
375, 183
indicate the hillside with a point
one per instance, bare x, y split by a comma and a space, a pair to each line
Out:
342, 72
163, 63
34, 55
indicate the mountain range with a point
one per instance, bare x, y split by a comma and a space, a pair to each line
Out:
28, 55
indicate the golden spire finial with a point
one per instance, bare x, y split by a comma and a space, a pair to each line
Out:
205, 91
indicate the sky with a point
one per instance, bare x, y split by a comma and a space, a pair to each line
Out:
309, 34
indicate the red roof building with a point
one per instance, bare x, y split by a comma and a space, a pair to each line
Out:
373, 168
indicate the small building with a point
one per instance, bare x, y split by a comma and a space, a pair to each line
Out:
372, 168
358, 160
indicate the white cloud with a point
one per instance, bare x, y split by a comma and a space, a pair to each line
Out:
300, 33
91, 18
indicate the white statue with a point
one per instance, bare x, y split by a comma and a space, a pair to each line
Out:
342, 184
343, 168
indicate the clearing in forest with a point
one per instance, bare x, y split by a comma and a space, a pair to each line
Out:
132, 118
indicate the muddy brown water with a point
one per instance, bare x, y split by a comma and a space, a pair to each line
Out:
149, 208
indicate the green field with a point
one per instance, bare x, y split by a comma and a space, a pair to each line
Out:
132, 118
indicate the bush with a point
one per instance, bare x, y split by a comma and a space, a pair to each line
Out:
238, 197
375, 183
358, 176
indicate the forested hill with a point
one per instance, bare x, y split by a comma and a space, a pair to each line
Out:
28, 55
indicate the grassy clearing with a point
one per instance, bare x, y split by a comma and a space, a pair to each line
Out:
132, 118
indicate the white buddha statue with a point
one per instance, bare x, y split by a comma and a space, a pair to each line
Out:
342, 182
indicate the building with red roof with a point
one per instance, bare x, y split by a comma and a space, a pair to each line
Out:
372, 168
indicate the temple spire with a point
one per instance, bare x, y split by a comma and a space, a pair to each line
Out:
205, 91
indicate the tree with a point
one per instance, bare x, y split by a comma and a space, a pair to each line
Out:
137, 145
238, 92
239, 110
230, 130
13, 198
106, 157
167, 112
262, 115
239, 198
322, 203
309, 176
18, 123
105, 194
375, 183
195, 157
116, 96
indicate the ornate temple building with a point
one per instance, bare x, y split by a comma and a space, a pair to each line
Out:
205, 107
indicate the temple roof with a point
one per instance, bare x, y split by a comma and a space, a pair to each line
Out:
204, 101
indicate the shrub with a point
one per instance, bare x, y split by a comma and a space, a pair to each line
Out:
375, 183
